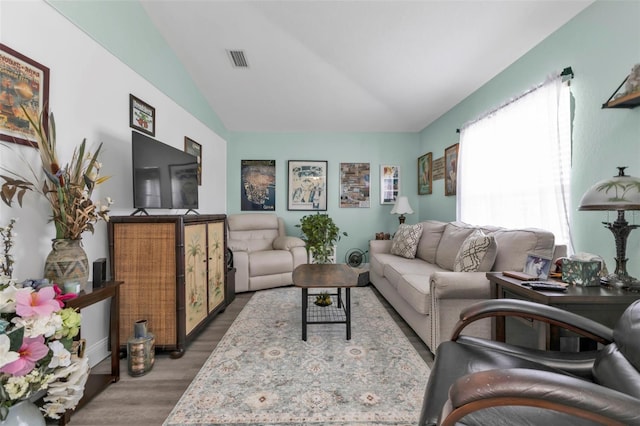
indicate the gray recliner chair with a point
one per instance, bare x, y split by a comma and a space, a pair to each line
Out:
481, 382
263, 255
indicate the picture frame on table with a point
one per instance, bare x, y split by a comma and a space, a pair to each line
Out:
451, 169
142, 116
194, 148
355, 184
425, 174
307, 189
389, 183
24, 84
537, 266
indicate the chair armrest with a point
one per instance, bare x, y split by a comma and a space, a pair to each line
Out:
380, 246
237, 245
287, 243
525, 309
460, 285
542, 389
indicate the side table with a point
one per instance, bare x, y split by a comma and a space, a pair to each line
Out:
601, 304
96, 382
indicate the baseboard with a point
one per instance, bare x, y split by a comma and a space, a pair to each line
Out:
98, 351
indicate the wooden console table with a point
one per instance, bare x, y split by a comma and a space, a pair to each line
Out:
97, 382
600, 303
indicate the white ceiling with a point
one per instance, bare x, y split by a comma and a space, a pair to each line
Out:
349, 66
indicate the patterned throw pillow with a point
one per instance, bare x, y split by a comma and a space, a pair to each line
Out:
477, 253
405, 242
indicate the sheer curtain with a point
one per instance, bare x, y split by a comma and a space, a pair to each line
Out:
514, 164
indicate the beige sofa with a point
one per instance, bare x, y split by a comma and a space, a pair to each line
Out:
263, 255
428, 294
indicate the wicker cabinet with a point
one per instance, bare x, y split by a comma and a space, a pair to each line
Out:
175, 271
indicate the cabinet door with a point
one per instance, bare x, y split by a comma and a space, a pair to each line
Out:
195, 262
216, 264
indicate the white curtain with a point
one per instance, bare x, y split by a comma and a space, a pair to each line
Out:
514, 164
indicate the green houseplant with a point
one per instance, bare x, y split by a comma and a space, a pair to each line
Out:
321, 234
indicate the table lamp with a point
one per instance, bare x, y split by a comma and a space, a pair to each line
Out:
619, 193
401, 207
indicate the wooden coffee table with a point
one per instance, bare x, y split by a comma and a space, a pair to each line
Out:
326, 276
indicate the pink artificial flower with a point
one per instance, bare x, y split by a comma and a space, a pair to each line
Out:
32, 350
37, 303
61, 298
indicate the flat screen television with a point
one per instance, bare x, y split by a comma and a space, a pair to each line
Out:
163, 176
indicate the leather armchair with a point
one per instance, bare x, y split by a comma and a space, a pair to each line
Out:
476, 381
263, 255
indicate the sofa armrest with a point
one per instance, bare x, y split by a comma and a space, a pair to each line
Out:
379, 246
287, 243
460, 285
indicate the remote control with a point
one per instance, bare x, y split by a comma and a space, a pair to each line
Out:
542, 285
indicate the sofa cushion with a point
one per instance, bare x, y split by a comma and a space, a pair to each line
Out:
270, 262
415, 290
477, 253
285, 242
452, 238
515, 244
405, 242
431, 233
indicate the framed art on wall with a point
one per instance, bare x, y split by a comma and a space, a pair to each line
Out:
194, 148
450, 169
307, 185
425, 174
354, 185
24, 84
258, 185
389, 183
142, 116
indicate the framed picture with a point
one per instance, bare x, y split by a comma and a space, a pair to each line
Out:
450, 169
142, 116
24, 83
194, 148
307, 185
425, 173
537, 266
354, 185
258, 185
437, 168
389, 183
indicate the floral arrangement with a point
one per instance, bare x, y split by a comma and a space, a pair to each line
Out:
68, 189
36, 347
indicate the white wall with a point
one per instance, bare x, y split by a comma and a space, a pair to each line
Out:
89, 95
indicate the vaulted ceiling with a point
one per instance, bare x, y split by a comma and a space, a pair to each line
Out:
349, 66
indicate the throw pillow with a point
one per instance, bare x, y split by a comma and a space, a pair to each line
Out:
477, 253
405, 242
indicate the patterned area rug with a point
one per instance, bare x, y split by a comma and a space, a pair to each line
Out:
263, 373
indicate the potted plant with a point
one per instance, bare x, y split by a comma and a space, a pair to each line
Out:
321, 234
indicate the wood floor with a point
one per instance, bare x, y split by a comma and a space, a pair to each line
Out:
148, 400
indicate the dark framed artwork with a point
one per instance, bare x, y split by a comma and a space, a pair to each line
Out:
307, 185
258, 185
451, 169
194, 148
425, 173
355, 179
24, 83
389, 183
142, 116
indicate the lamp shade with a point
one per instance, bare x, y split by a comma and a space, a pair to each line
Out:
402, 206
620, 192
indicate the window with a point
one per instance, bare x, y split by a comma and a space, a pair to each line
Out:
514, 164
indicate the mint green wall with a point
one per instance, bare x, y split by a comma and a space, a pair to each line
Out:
375, 148
601, 44
125, 30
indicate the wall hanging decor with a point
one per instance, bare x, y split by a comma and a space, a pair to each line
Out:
142, 116
389, 183
451, 169
307, 185
355, 180
425, 174
258, 185
24, 83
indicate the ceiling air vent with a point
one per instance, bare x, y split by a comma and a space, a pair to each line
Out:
238, 59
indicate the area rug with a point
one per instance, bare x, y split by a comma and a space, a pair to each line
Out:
263, 373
